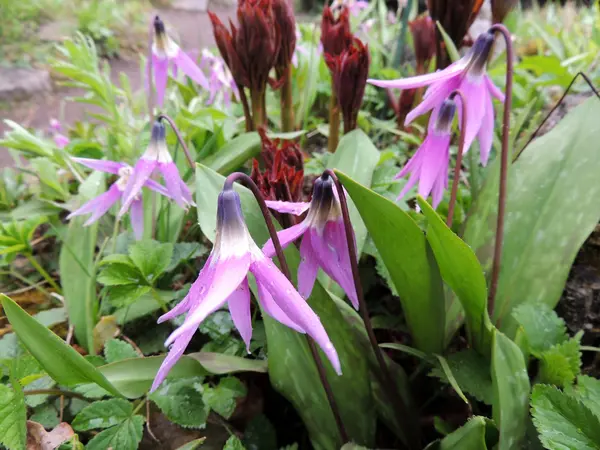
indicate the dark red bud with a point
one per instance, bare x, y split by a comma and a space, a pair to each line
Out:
284, 16
225, 44
423, 33
335, 33
501, 8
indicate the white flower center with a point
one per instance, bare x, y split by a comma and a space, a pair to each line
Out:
157, 151
164, 46
124, 173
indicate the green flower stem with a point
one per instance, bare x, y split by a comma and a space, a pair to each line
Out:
43, 272
115, 234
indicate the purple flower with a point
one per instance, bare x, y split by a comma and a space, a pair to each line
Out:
469, 75
429, 165
155, 157
165, 50
61, 140
223, 279
323, 239
98, 206
354, 6
220, 81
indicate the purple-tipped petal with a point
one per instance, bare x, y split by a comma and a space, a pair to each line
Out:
173, 356
141, 173
295, 208
294, 306
421, 80
493, 89
189, 67
286, 237
157, 187
475, 95
270, 307
161, 74
308, 268
239, 307
486, 132
173, 181
98, 206
136, 217
101, 165
437, 95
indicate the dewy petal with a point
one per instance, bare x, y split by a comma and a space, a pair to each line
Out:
239, 307
421, 80
295, 208
101, 165
475, 96
438, 94
189, 67
486, 132
229, 273
98, 206
172, 357
161, 74
141, 173
173, 181
494, 90
136, 217
271, 308
308, 268
286, 237
294, 306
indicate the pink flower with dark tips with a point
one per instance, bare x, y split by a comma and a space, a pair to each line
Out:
323, 239
224, 279
469, 75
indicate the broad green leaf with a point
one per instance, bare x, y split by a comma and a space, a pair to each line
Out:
291, 368
543, 232
470, 436
120, 274
151, 257
102, 414
125, 436
46, 415
117, 350
563, 422
13, 416
234, 154
461, 270
561, 364
260, 434
77, 268
124, 295
410, 262
510, 407
588, 391
181, 402
220, 364
222, 398
60, 360
542, 326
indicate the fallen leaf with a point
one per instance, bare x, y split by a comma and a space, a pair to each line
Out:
40, 439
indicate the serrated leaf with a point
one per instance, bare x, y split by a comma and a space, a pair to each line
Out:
13, 417
472, 373
588, 391
125, 295
260, 434
120, 274
102, 414
217, 325
92, 391
117, 350
222, 398
46, 415
184, 251
470, 436
233, 443
542, 326
125, 436
151, 257
561, 364
562, 421
181, 402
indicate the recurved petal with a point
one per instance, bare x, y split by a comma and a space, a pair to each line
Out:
136, 216
141, 173
475, 95
157, 187
437, 95
494, 90
239, 307
308, 268
173, 181
101, 165
271, 308
486, 132
98, 206
295, 208
286, 237
421, 80
161, 74
173, 356
189, 67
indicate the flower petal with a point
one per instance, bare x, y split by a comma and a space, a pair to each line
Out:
486, 132
286, 237
295, 208
157, 187
136, 217
141, 173
475, 96
239, 307
187, 195
494, 90
101, 165
173, 181
173, 356
270, 307
98, 206
421, 80
308, 268
436, 96
161, 69
189, 67
433, 162
294, 306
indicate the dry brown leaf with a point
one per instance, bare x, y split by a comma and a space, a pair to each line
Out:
40, 439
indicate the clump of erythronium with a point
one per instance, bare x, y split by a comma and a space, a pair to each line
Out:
324, 243
469, 76
220, 81
224, 279
128, 187
250, 51
166, 51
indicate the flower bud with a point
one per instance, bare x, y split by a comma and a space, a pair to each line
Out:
423, 33
335, 33
501, 8
284, 16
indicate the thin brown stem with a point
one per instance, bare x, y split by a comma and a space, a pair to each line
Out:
246, 107
504, 163
249, 183
459, 156
57, 392
186, 151
334, 123
403, 415
287, 103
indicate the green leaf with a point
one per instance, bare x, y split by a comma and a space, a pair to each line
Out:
151, 257
561, 364
219, 364
588, 391
542, 326
450, 377
116, 274
13, 416
184, 251
222, 398
409, 260
192, 445
125, 295
46, 415
125, 436
181, 402
511, 391
260, 434
539, 248
291, 368
472, 373
102, 414
234, 154
470, 436
461, 270
450, 46
60, 360
117, 350
233, 443
77, 267
562, 421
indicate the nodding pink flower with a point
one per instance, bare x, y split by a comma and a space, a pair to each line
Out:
98, 206
354, 6
164, 51
55, 125
155, 157
220, 81
324, 242
224, 279
429, 165
469, 75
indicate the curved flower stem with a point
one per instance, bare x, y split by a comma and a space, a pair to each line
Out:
403, 415
188, 156
459, 156
504, 162
249, 183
